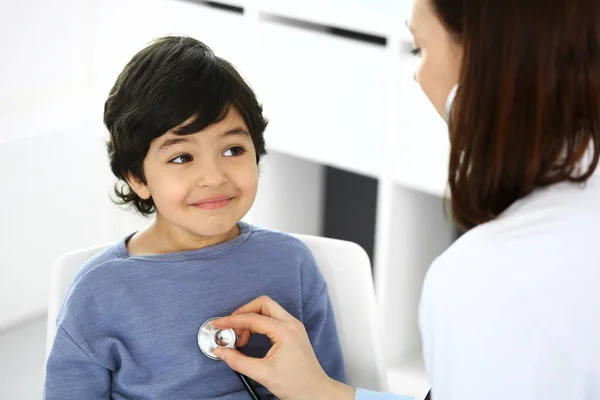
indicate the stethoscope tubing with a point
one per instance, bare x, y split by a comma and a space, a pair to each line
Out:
248, 386
207, 343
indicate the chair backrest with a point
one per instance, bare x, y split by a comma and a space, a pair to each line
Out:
346, 269
62, 273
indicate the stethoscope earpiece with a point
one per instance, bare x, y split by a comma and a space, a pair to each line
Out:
449, 104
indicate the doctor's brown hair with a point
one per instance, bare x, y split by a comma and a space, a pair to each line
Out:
528, 104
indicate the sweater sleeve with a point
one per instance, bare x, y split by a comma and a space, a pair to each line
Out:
322, 332
71, 373
80, 362
319, 320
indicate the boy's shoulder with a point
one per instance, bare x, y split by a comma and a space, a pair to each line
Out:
280, 242
99, 264
94, 279
278, 249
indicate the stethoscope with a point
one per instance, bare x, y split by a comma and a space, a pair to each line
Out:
449, 104
211, 338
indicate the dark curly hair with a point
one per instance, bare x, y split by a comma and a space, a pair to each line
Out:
165, 84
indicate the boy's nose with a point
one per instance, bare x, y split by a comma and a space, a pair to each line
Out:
211, 174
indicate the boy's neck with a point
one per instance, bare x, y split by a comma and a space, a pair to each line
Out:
161, 238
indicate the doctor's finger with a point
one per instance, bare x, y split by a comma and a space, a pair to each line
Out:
254, 368
243, 337
254, 323
266, 306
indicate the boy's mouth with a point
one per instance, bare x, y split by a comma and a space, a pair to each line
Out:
214, 203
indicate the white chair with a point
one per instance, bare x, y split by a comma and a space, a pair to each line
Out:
347, 270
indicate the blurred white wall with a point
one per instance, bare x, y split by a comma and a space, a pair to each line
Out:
43, 58
52, 164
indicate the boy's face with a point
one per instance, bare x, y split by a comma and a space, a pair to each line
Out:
204, 183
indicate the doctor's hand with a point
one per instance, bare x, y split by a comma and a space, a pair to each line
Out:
290, 370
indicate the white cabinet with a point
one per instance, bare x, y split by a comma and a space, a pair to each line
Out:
323, 95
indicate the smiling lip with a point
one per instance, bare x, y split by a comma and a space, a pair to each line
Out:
214, 203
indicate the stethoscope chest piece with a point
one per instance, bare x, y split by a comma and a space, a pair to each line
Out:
211, 338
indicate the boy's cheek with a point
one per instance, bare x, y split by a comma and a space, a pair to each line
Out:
169, 194
250, 186
246, 177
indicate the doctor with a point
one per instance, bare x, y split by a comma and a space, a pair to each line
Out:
512, 309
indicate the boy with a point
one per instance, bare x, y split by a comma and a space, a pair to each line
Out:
186, 137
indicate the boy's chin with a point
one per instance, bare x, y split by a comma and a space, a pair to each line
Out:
217, 226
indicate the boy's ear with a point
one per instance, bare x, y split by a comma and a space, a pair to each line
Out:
139, 187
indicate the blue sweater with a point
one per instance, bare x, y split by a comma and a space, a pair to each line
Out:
128, 328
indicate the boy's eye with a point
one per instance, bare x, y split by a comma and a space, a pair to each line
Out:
416, 51
182, 159
234, 151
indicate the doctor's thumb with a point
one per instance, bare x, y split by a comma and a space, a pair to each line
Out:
249, 366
